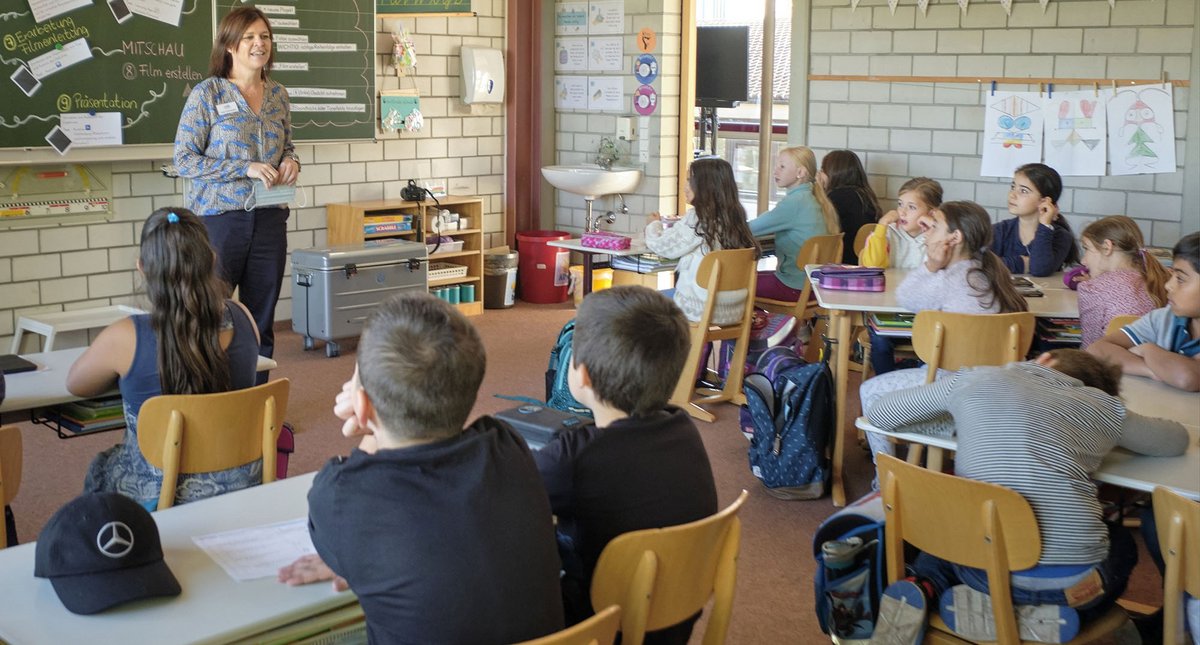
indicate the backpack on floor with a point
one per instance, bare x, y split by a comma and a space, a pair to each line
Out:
790, 409
558, 392
850, 574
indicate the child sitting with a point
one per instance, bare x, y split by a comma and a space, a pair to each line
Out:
444, 533
845, 181
642, 465
193, 341
1040, 428
1165, 343
717, 221
1038, 241
1122, 279
898, 239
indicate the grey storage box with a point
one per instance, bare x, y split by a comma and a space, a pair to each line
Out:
334, 289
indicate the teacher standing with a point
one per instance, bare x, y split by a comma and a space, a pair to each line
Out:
235, 144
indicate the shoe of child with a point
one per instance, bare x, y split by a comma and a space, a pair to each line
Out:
901, 615
968, 613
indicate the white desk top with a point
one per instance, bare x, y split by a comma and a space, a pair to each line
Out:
1058, 302
213, 608
47, 385
1121, 467
636, 247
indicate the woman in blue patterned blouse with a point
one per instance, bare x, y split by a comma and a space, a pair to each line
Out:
234, 143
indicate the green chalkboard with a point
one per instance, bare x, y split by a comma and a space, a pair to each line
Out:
423, 6
140, 67
99, 56
325, 57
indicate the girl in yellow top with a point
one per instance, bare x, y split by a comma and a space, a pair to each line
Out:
898, 240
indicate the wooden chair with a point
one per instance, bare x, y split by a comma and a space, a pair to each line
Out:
661, 577
971, 523
726, 270
200, 433
600, 629
1118, 322
819, 249
10, 471
953, 341
860, 238
1178, 522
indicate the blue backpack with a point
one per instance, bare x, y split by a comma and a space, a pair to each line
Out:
558, 392
790, 409
851, 573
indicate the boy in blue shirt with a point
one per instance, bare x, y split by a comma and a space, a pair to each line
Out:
1165, 344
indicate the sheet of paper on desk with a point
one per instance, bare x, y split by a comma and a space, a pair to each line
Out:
258, 551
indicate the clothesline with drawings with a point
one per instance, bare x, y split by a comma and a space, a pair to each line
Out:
1004, 80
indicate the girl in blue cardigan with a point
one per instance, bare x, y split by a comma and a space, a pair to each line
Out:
1038, 241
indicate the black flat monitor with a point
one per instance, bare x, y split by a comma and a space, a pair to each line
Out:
722, 65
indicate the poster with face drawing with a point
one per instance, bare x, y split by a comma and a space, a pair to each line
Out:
1075, 131
1012, 132
1141, 130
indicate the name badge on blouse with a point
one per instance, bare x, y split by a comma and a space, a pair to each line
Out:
226, 108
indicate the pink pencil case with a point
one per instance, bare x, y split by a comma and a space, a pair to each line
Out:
606, 240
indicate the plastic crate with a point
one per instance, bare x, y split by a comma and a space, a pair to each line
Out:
444, 270
453, 246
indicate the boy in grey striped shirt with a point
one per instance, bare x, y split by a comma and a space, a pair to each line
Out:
1040, 428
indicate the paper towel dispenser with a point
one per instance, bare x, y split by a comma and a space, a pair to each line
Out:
482, 75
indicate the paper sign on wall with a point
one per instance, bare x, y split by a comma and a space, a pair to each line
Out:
1076, 128
604, 54
1141, 130
606, 17
604, 93
570, 92
570, 54
570, 18
1012, 132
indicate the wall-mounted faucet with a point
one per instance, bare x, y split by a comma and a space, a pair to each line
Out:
608, 154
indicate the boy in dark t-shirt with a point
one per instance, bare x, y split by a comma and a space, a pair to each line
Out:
642, 464
444, 533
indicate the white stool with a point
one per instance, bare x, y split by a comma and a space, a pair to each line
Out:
49, 324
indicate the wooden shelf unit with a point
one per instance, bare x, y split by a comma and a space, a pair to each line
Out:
344, 223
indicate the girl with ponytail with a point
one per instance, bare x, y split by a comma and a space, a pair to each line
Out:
960, 274
1122, 278
804, 212
193, 341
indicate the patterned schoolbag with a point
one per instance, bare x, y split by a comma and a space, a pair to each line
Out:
558, 392
790, 405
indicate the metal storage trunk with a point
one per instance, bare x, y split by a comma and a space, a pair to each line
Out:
334, 289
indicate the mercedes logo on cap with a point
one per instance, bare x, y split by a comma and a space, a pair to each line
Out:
115, 540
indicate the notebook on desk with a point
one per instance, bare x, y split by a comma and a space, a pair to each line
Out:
13, 364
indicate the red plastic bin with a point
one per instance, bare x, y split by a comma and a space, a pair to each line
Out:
543, 271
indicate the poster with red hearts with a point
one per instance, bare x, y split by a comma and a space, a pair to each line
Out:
1076, 128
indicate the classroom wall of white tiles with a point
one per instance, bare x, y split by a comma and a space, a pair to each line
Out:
89, 265
902, 130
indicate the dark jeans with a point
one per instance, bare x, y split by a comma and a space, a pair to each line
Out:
1114, 573
883, 352
252, 253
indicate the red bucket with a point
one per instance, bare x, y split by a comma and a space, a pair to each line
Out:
544, 271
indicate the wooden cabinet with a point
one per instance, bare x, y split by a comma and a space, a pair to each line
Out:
346, 224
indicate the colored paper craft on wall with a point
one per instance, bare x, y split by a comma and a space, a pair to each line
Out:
1141, 130
1012, 132
1076, 127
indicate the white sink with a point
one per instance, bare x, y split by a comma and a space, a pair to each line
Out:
590, 180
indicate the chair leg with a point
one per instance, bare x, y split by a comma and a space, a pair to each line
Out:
686, 385
915, 451
935, 460
812, 353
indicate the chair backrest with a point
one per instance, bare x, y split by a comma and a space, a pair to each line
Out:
818, 249
199, 433
600, 629
964, 521
10, 471
952, 341
1118, 322
662, 576
860, 238
1178, 522
728, 270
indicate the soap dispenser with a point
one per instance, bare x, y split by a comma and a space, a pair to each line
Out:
482, 75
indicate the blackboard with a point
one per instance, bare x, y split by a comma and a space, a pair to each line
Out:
144, 68
423, 6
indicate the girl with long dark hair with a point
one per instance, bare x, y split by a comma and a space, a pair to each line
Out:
193, 341
1038, 241
845, 181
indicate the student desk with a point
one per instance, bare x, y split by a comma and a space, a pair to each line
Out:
1121, 467
213, 608
1057, 302
636, 247
47, 385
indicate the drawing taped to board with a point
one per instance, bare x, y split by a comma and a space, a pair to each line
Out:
1012, 132
1141, 130
1076, 128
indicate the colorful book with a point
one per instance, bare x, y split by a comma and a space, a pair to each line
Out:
386, 219
390, 227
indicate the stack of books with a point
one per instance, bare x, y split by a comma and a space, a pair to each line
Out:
86, 417
376, 224
898, 325
644, 263
1060, 332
